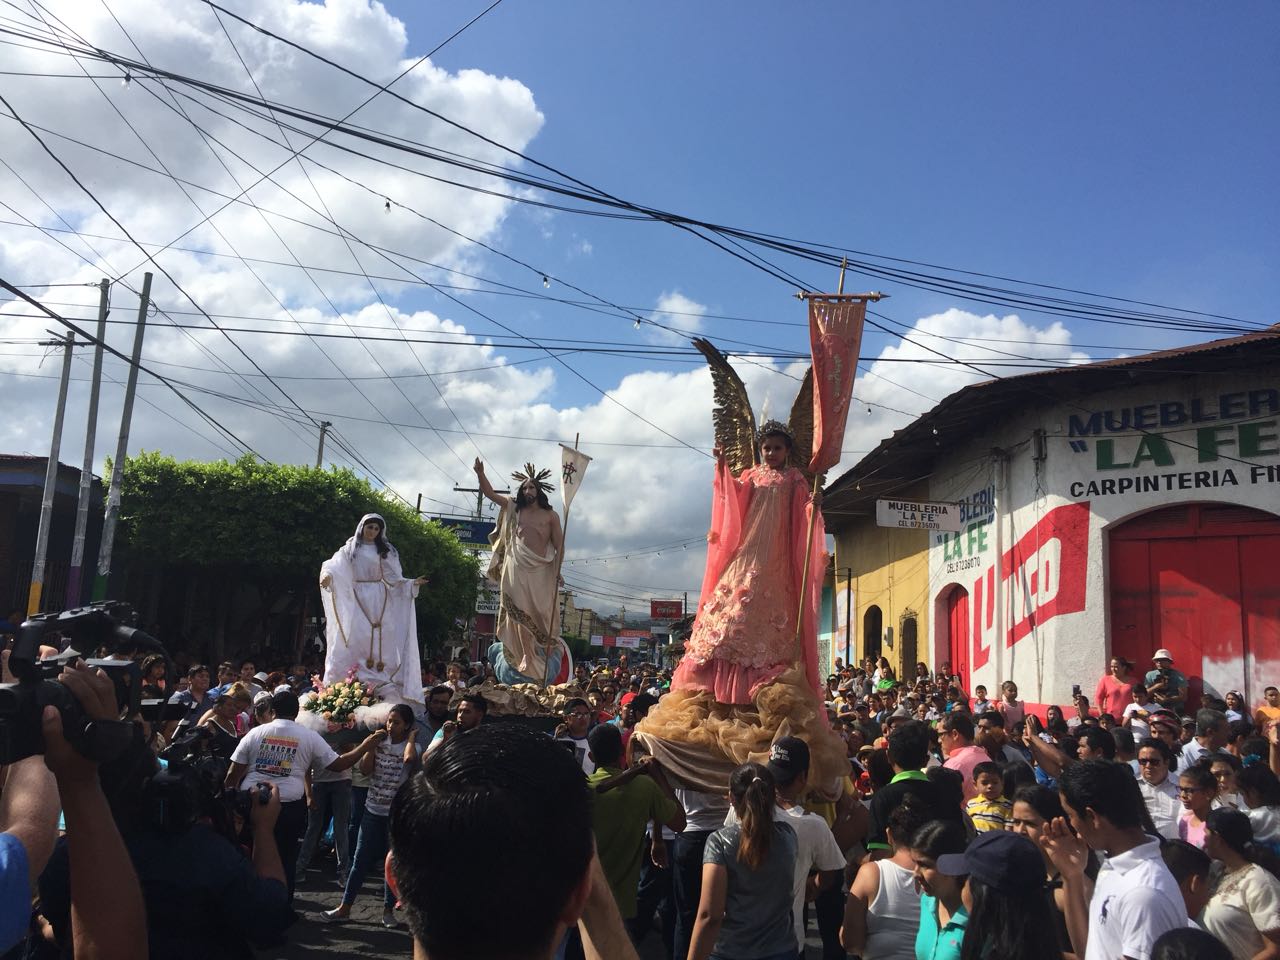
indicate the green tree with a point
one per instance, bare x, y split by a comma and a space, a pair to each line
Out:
246, 526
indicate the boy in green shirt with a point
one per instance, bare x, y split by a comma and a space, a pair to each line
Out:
624, 802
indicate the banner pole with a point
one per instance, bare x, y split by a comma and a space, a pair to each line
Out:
555, 584
804, 576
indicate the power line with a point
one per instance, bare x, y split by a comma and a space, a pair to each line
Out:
343, 233
81, 332
963, 289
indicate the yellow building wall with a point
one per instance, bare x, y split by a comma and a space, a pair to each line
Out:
888, 569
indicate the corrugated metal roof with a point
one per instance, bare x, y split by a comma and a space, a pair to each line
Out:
906, 457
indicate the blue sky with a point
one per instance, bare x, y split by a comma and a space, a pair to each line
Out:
1123, 149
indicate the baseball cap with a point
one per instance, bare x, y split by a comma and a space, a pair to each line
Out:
1007, 862
1162, 654
788, 759
261, 676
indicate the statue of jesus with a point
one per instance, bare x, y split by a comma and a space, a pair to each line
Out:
526, 545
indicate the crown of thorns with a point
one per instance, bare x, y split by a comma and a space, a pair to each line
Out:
539, 477
774, 426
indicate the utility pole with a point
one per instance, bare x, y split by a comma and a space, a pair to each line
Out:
471, 617
479, 497
50, 477
324, 428
112, 513
90, 437
418, 509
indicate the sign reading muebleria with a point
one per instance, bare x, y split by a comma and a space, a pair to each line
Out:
1226, 440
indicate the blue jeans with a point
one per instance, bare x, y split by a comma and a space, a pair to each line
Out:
358, 795
654, 894
371, 848
829, 908
332, 798
686, 883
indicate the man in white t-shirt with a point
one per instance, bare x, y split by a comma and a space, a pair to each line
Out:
281, 752
577, 720
1135, 898
817, 851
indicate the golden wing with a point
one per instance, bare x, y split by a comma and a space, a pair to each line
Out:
735, 424
801, 424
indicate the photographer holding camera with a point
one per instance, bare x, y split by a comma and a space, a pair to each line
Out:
109, 921
206, 900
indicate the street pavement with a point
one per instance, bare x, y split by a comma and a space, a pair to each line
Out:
364, 936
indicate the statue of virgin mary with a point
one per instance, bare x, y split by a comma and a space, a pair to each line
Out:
371, 624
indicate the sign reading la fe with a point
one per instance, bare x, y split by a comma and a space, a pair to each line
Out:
919, 515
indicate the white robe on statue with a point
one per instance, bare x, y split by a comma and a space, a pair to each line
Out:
528, 646
370, 619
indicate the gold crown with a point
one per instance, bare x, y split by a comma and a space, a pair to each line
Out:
775, 426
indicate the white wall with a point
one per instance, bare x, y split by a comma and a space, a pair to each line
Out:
1056, 497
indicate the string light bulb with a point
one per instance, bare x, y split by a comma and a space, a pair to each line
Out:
387, 206
546, 282
128, 78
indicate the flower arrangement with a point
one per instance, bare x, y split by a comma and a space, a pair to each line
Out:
338, 702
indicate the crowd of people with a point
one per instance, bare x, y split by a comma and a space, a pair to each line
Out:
1133, 824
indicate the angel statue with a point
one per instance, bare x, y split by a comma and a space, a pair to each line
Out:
526, 546
749, 673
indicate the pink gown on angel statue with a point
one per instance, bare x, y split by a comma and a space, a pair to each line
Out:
745, 679
744, 636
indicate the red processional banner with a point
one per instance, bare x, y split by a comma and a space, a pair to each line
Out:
835, 334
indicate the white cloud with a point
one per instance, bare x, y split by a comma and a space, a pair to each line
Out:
674, 309
644, 492
895, 392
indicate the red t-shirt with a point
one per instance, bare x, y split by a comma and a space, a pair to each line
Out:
1113, 695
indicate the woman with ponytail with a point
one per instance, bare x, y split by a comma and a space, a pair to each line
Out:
747, 870
1244, 912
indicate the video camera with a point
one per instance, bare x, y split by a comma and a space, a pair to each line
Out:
190, 788
22, 703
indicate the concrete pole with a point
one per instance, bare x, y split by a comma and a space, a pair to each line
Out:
34, 597
112, 513
86, 470
324, 428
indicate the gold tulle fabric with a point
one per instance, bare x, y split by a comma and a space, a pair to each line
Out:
700, 741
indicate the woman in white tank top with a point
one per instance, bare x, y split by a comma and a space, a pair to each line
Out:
882, 912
